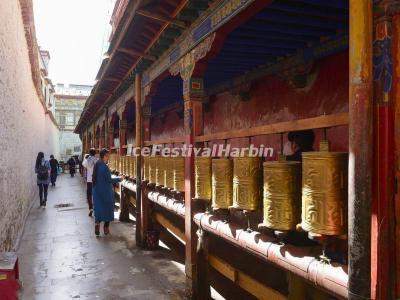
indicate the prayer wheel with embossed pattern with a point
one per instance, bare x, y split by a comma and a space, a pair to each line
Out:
123, 165
145, 160
247, 173
111, 162
160, 165
152, 169
118, 165
169, 172
134, 167
324, 192
282, 195
130, 166
222, 183
179, 173
202, 167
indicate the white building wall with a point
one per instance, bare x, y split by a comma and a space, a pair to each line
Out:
25, 129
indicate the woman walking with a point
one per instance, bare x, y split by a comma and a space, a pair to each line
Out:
103, 194
42, 169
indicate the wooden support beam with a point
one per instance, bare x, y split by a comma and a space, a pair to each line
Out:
160, 18
134, 53
324, 121
132, 200
167, 224
246, 282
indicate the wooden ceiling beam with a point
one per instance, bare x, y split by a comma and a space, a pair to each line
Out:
134, 53
112, 79
160, 18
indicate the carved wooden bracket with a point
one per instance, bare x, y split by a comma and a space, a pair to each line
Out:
300, 77
185, 66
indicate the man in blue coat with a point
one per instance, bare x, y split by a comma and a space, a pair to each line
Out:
103, 194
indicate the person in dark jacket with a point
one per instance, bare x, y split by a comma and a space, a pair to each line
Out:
54, 170
301, 141
42, 170
72, 165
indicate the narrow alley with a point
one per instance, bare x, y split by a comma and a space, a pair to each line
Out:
60, 257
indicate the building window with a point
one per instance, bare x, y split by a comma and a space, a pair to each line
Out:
77, 149
70, 119
62, 120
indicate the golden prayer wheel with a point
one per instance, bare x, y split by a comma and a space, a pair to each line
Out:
152, 169
169, 172
146, 167
111, 162
179, 173
222, 185
282, 195
118, 165
133, 166
130, 166
247, 183
324, 192
126, 165
202, 168
123, 165
160, 170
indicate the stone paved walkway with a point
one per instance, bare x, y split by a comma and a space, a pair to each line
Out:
60, 257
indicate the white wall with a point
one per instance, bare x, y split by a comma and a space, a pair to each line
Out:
25, 129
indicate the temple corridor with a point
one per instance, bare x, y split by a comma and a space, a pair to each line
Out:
60, 257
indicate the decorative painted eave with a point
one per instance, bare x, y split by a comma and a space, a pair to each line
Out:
144, 33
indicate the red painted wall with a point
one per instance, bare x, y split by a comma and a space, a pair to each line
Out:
273, 100
165, 126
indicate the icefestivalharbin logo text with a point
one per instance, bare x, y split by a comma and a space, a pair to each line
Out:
214, 151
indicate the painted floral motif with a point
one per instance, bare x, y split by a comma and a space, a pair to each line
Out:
383, 67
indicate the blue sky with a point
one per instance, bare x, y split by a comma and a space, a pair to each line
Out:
75, 33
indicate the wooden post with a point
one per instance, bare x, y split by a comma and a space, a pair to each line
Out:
124, 206
140, 239
106, 129
360, 148
193, 93
383, 207
123, 126
94, 136
396, 102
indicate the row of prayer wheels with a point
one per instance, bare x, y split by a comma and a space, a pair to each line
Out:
312, 193
125, 165
168, 172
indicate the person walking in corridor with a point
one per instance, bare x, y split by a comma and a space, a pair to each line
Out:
103, 194
54, 170
88, 163
72, 165
42, 170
